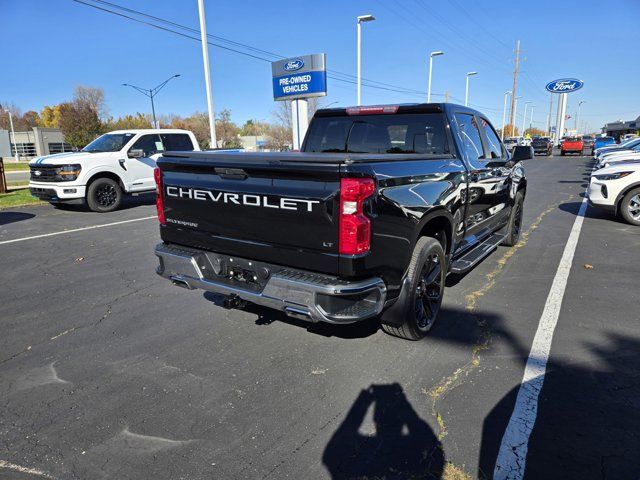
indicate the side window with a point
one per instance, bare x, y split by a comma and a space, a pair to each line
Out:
177, 142
149, 144
470, 135
493, 142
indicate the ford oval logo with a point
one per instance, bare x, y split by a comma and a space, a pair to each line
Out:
564, 85
293, 65
37, 173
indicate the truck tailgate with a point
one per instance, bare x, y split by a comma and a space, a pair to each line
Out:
261, 207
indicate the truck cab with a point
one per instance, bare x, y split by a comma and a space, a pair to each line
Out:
113, 165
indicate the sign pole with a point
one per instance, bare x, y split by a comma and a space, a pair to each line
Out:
562, 111
299, 121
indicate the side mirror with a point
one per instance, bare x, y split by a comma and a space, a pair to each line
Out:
522, 152
136, 153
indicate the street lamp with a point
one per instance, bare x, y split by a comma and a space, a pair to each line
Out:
531, 116
433, 54
361, 19
152, 92
578, 114
515, 110
13, 134
504, 113
524, 117
466, 93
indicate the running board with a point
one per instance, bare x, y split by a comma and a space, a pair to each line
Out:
477, 254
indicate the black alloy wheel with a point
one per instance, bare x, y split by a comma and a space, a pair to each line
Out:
428, 296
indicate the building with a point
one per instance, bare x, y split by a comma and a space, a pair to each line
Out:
619, 128
34, 143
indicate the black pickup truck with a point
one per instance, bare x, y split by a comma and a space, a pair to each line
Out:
365, 222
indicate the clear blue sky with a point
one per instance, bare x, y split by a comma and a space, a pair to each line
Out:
51, 46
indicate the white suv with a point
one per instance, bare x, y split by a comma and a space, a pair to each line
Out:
114, 164
617, 188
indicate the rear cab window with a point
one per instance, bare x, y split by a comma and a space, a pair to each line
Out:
422, 133
177, 142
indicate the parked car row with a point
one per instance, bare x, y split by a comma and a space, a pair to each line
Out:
615, 181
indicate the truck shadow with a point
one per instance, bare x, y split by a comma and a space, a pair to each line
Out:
11, 217
587, 417
397, 444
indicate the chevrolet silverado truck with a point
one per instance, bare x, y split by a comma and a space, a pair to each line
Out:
365, 222
114, 164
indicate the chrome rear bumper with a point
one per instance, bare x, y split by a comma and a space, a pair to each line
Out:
298, 293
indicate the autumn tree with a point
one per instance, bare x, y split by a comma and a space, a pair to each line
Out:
227, 131
79, 124
279, 138
92, 97
254, 128
128, 122
198, 123
50, 116
534, 132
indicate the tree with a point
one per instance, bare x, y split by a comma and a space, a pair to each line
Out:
254, 128
31, 118
92, 97
509, 131
79, 123
128, 122
50, 116
198, 123
534, 132
279, 138
227, 131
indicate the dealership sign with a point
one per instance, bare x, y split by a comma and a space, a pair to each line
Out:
299, 77
565, 85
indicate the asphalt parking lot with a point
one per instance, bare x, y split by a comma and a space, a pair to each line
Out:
108, 371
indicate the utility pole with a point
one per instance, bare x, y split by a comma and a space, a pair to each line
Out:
504, 114
514, 89
207, 74
446, 96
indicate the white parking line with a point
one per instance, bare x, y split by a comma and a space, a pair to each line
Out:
75, 230
511, 461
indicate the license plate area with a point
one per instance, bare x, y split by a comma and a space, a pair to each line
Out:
234, 271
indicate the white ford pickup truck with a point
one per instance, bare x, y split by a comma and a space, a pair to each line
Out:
114, 164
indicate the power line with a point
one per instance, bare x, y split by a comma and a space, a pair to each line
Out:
333, 74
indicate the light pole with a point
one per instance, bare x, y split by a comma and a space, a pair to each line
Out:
515, 109
578, 114
152, 92
213, 143
524, 118
504, 113
531, 116
466, 92
361, 19
433, 54
13, 134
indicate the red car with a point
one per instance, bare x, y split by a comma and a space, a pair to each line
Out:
572, 145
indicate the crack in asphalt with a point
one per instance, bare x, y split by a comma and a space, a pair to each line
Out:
454, 380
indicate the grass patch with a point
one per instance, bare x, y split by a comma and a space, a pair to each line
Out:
17, 197
16, 167
451, 472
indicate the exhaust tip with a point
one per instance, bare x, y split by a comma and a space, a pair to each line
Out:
180, 282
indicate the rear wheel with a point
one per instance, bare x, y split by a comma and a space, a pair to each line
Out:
630, 207
514, 226
104, 195
427, 272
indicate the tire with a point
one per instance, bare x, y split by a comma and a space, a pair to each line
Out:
630, 207
104, 195
427, 273
514, 226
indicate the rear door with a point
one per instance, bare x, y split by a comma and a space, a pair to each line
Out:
488, 188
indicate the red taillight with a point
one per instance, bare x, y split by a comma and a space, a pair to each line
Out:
157, 175
355, 227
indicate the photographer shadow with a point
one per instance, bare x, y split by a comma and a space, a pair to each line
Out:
398, 444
